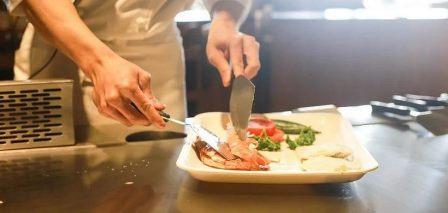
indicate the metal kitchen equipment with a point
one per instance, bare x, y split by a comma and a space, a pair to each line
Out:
205, 135
36, 113
418, 103
429, 100
241, 100
435, 120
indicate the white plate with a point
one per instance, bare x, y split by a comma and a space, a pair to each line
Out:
333, 128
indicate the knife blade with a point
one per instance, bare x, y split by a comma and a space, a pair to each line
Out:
241, 100
205, 135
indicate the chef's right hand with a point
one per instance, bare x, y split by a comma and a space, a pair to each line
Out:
117, 84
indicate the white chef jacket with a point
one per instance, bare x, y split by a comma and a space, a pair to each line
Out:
141, 31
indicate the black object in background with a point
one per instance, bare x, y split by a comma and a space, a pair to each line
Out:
11, 30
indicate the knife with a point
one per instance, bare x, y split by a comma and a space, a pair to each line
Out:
435, 121
431, 101
241, 100
418, 105
205, 135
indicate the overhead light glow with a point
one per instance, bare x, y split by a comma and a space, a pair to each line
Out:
429, 13
338, 14
193, 16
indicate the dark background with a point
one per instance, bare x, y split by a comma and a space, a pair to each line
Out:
307, 62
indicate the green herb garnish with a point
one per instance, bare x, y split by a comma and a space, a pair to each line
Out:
289, 127
291, 143
306, 137
265, 143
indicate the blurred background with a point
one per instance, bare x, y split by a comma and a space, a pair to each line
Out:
342, 52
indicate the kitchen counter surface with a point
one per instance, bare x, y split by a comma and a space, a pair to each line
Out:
143, 177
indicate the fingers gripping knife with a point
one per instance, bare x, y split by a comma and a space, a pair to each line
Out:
241, 100
205, 135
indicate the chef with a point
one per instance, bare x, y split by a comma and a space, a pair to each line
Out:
125, 56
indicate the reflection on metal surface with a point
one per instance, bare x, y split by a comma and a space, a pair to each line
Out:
43, 169
90, 179
111, 179
198, 196
128, 198
154, 135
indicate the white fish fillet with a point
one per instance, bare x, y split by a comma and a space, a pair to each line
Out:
328, 150
329, 164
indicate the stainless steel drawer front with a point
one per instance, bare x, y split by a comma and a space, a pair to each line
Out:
36, 113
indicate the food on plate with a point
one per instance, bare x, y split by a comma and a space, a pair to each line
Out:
306, 137
289, 127
326, 157
258, 124
265, 137
269, 133
272, 156
264, 127
266, 143
263, 130
245, 152
329, 164
328, 150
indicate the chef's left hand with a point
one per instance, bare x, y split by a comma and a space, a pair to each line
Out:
231, 51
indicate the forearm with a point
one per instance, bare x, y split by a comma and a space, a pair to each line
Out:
117, 83
60, 23
227, 49
229, 11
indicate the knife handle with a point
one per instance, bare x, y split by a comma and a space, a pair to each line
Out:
444, 96
430, 100
381, 107
418, 105
165, 116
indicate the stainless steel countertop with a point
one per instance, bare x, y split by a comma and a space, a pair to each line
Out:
143, 177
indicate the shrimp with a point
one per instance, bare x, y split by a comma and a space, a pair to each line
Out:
246, 155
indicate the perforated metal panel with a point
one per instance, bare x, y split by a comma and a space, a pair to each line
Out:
36, 113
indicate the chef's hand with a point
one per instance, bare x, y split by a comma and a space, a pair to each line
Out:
229, 50
119, 83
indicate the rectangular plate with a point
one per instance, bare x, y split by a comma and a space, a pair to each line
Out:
333, 128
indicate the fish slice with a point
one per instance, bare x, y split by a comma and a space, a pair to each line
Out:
205, 135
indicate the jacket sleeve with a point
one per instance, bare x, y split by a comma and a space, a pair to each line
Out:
14, 7
246, 4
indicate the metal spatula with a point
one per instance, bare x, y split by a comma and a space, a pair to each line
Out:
205, 135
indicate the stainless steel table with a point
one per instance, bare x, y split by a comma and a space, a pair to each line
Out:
143, 177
